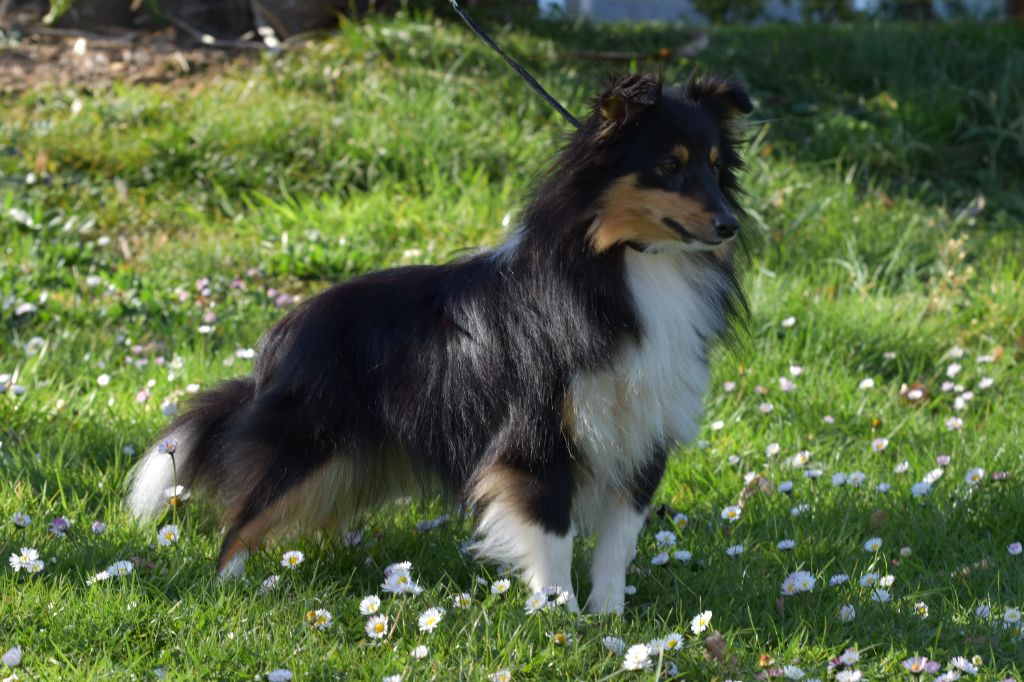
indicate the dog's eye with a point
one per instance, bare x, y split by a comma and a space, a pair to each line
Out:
670, 166
716, 168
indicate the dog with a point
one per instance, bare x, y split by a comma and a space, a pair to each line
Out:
544, 382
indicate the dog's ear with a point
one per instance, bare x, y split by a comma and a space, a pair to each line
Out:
625, 98
726, 99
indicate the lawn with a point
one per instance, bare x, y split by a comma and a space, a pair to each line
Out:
150, 232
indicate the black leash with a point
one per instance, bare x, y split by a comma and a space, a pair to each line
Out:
523, 73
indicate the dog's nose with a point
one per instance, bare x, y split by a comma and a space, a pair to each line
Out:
726, 225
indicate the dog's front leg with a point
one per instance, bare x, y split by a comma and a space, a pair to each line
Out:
526, 520
618, 526
617, 530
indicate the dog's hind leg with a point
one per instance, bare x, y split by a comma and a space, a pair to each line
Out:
271, 510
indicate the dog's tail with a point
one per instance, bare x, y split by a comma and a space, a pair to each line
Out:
187, 450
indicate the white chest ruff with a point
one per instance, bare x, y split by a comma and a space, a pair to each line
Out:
652, 394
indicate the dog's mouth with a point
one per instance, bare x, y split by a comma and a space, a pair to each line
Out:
687, 236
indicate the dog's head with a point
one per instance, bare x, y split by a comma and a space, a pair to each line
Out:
668, 163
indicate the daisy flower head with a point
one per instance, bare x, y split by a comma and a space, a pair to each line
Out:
98, 527
502, 676
430, 619
98, 578
879, 444
398, 581
788, 322
766, 408
638, 657
24, 561
881, 596
1014, 548
786, 385
59, 526
838, 579
866, 384
792, 672
168, 535
377, 626
873, 544
613, 644
856, 478
920, 489
731, 513
734, 550
883, 487
559, 638
21, 519
269, 584
786, 544
280, 675
420, 652
772, 449
921, 609
869, 580
292, 558
915, 665
535, 603
665, 538
659, 559
813, 473
847, 613
501, 586
397, 677
682, 555
963, 665
369, 605
954, 423
800, 509
838, 479
700, 622
12, 658
321, 619
672, 641
177, 495
119, 569
681, 520
785, 487
974, 476
462, 600
849, 657
1011, 617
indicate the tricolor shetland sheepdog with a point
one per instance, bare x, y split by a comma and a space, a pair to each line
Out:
544, 382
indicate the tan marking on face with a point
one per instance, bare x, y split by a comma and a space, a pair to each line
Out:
634, 214
713, 156
681, 152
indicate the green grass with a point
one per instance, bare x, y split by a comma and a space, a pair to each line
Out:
403, 141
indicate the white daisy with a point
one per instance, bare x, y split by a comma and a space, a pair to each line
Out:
974, 476
420, 652
881, 596
791, 672
292, 558
430, 619
119, 569
280, 675
961, 663
501, 586
502, 676
682, 555
462, 600
731, 513
25, 560
369, 605
879, 444
613, 644
665, 538
168, 535
672, 641
847, 613
377, 626
921, 609
838, 579
659, 559
873, 544
536, 602
786, 544
637, 658
700, 622
21, 519
321, 619
734, 550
